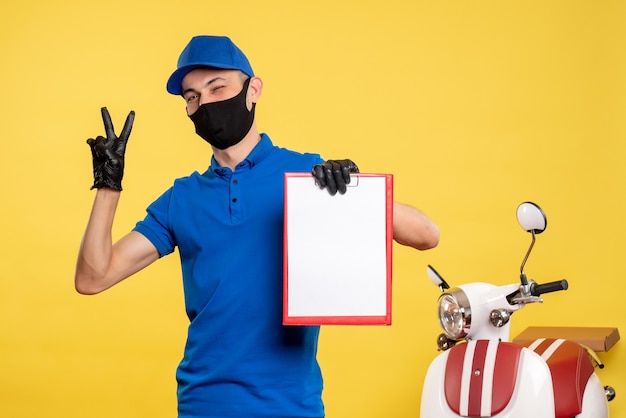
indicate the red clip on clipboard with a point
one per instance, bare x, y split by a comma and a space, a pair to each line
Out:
337, 252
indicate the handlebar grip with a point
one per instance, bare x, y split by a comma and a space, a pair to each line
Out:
540, 289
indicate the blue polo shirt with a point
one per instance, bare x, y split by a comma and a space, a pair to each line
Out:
239, 361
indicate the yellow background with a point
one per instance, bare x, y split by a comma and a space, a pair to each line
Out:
474, 106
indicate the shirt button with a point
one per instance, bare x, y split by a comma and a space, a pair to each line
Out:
235, 182
234, 200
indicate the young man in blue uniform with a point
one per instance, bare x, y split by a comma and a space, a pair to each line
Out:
239, 361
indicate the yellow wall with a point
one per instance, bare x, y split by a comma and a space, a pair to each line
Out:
474, 106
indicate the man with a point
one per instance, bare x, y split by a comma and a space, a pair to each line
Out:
239, 361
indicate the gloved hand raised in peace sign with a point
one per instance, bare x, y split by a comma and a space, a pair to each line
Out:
108, 153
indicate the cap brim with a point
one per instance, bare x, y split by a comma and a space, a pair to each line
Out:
174, 83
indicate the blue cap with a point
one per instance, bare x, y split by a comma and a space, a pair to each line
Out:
208, 51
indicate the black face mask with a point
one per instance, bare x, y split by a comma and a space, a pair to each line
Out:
224, 124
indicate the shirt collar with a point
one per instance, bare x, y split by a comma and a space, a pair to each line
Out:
258, 153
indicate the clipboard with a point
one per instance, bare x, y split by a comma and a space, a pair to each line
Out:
338, 251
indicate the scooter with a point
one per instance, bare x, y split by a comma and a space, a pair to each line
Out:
482, 374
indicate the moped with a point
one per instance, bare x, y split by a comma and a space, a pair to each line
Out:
482, 374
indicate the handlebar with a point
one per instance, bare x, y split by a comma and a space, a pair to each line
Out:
540, 289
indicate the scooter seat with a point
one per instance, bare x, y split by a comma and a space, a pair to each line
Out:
570, 367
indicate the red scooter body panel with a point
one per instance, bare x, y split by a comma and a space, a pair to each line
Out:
570, 367
498, 365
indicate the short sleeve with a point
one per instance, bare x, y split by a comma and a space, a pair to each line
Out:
156, 225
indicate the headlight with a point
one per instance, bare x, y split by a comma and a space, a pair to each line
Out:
454, 313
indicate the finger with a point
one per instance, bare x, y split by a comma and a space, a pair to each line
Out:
128, 126
108, 125
345, 171
98, 146
338, 177
318, 173
92, 145
331, 185
353, 167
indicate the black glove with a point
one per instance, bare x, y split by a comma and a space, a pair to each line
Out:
108, 153
334, 175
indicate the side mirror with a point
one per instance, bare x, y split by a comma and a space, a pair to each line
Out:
436, 278
531, 218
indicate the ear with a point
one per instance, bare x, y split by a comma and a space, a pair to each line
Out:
255, 89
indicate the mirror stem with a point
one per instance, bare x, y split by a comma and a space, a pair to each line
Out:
521, 270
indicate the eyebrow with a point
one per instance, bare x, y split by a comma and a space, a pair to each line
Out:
208, 83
